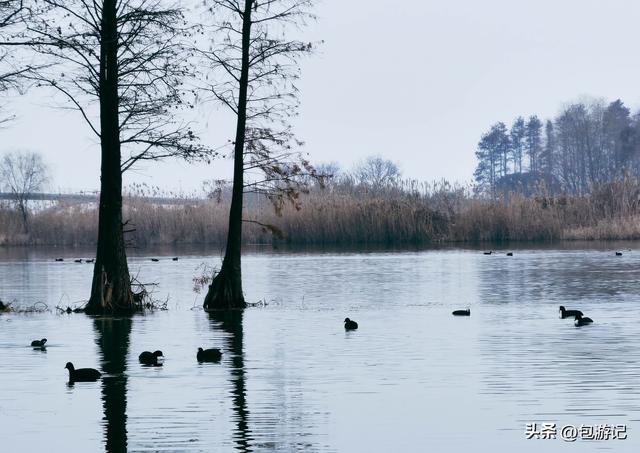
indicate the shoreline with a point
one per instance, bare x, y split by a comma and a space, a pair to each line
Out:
208, 249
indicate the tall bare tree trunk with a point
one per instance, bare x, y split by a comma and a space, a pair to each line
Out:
225, 291
22, 205
111, 286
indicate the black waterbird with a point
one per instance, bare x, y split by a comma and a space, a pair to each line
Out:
82, 374
38, 343
582, 321
150, 358
209, 355
350, 325
569, 313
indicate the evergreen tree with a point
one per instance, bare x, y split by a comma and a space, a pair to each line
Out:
534, 142
517, 137
618, 144
493, 155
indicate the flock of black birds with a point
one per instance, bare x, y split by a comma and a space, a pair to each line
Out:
79, 260
151, 359
84, 260
491, 252
579, 318
156, 358
577, 315
146, 358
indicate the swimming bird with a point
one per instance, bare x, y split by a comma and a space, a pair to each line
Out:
569, 313
209, 355
618, 253
38, 343
175, 258
155, 260
90, 261
59, 259
580, 321
78, 260
350, 325
466, 312
82, 374
489, 252
150, 358
509, 253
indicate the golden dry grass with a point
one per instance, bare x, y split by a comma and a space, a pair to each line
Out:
349, 215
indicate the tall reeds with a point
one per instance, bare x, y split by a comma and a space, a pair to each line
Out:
349, 214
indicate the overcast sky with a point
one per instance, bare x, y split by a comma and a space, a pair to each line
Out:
416, 81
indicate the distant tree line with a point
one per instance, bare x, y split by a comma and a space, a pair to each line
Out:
374, 174
586, 145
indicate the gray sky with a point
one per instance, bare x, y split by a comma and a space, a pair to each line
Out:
416, 81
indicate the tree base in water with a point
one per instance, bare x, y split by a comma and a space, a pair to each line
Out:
225, 292
111, 309
108, 298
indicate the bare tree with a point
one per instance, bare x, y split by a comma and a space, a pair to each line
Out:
331, 175
254, 71
12, 16
12, 13
22, 174
547, 161
376, 173
127, 59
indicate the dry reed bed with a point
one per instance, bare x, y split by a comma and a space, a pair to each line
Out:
346, 215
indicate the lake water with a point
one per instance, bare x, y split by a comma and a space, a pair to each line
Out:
412, 378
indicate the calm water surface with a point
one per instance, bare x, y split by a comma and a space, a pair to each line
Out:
412, 378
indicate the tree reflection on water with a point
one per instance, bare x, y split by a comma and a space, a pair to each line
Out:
231, 322
113, 341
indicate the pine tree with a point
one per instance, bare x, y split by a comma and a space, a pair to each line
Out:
517, 136
493, 156
533, 142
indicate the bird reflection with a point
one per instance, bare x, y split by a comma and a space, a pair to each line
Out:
231, 322
113, 340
